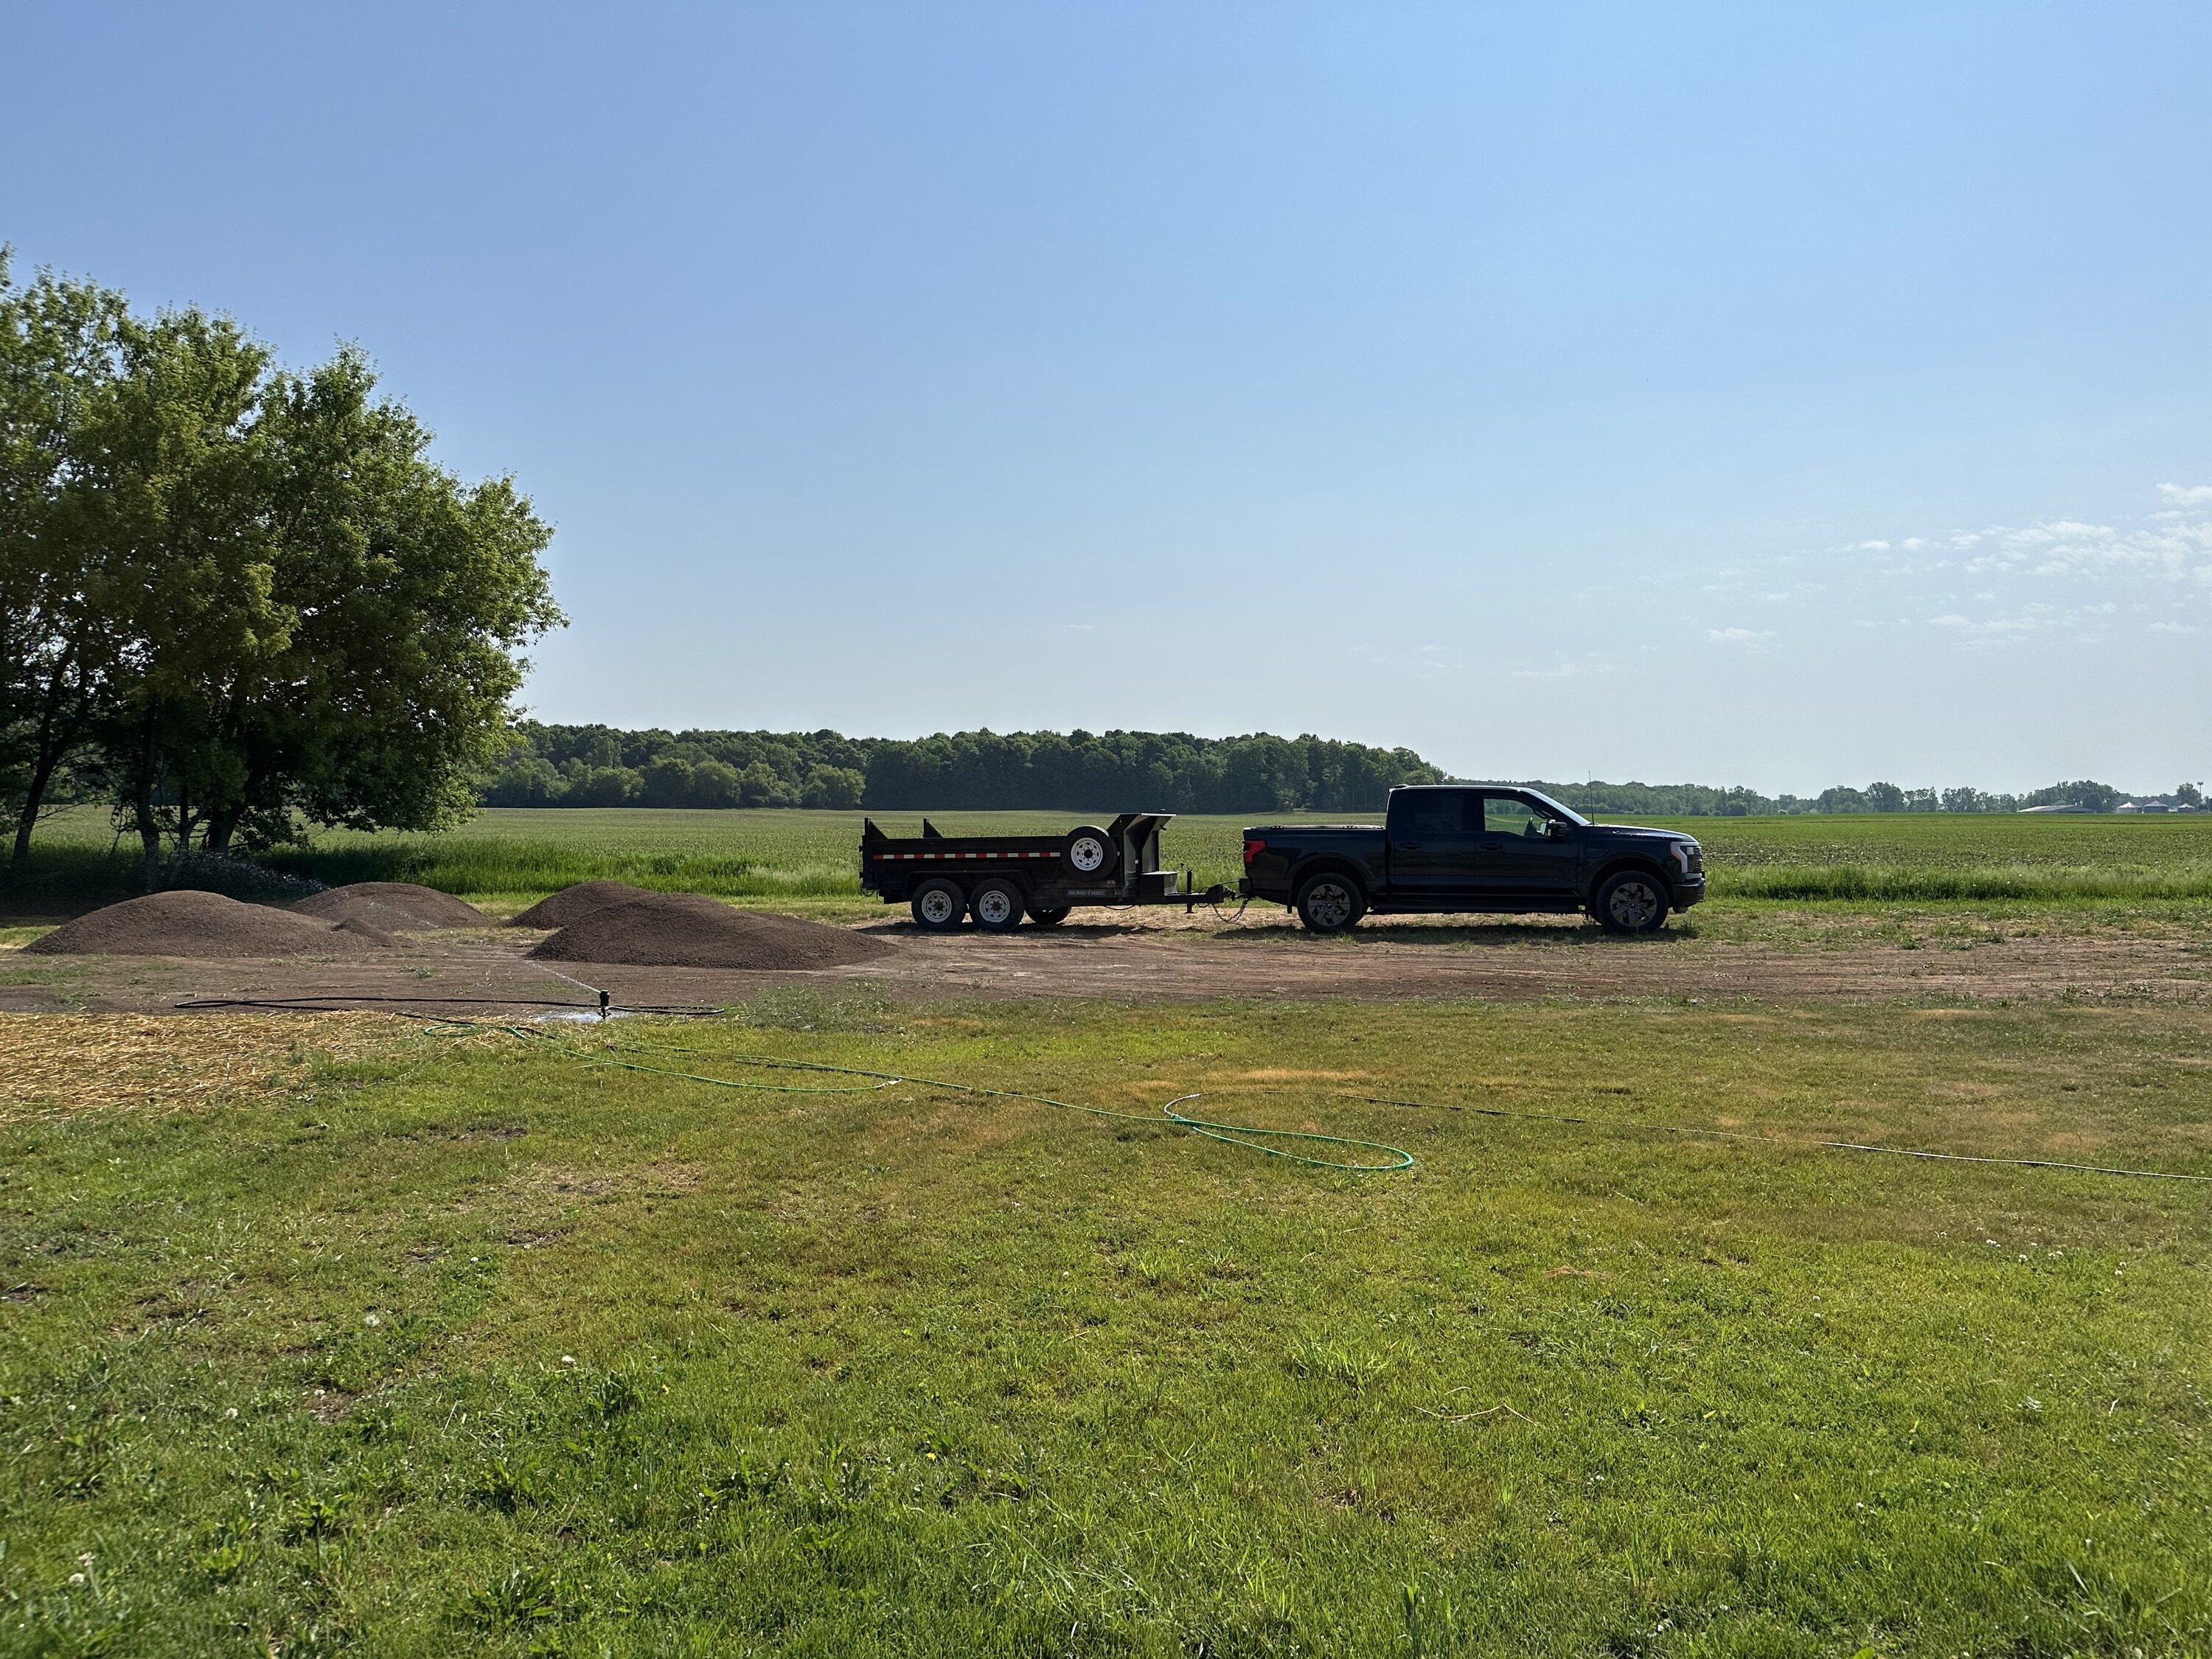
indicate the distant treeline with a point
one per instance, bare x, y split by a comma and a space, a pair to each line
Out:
1170, 771
1704, 800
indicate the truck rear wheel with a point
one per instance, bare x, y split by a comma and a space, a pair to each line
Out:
1330, 902
1633, 902
1048, 916
939, 905
996, 905
1088, 854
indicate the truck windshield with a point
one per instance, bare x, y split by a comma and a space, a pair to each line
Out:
1559, 806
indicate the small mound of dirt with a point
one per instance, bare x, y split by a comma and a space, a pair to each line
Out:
687, 929
189, 924
573, 904
393, 906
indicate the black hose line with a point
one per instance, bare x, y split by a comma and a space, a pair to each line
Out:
316, 1003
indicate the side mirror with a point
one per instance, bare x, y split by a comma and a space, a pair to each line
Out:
1555, 831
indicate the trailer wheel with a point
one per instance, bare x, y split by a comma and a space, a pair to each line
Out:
1330, 902
996, 905
1089, 852
1633, 902
939, 906
1049, 915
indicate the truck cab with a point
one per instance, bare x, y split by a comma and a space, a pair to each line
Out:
1476, 849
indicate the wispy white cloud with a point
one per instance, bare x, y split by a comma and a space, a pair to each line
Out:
1739, 636
2185, 495
1593, 662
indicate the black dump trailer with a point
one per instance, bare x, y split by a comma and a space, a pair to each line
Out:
999, 879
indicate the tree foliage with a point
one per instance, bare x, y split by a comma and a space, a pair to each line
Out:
1171, 771
240, 598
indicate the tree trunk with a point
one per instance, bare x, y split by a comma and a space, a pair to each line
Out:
53, 742
221, 822
142, 806
41, 775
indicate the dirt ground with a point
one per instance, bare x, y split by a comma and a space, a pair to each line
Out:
1164, 958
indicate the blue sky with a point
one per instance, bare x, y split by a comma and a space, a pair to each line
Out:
1782, 395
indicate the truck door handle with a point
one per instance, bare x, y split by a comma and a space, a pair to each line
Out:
1409, 847
1493, 846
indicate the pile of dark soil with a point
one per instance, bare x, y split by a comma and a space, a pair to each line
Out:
393, 906
686, 930
573, 904
188, 924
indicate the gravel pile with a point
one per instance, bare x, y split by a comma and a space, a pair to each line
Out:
575, 904
393, 906
686, 930
207, 924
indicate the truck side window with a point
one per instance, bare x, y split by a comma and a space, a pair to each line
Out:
1504, 816
1441, 814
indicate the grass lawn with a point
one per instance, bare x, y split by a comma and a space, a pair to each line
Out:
463, 1346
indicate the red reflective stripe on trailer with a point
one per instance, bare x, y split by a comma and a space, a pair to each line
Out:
889, 857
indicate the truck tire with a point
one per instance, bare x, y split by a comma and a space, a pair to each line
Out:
996, 904
1048, 916
1330, 902
1630, 901
939, 906
1090, 854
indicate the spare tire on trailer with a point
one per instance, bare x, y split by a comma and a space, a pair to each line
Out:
1089, 852
939, 906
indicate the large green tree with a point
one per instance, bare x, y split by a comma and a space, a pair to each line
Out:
60, 364
257, 599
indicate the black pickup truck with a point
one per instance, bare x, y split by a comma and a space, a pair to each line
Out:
1474, 847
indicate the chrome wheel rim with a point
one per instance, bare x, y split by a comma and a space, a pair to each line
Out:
937, 906
994, 907
1087, 855
1633, 904
1329, 905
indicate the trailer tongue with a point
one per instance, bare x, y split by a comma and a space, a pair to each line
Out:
999, 879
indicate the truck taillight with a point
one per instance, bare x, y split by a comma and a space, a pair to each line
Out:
1252, 850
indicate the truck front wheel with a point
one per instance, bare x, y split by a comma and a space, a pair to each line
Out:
1048, 916
939, 906
1330, 903
1633, 902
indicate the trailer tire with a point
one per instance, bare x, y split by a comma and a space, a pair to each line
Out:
939, 906
1089, 852
1330, 902
1049, 915
996, 904
1630, 901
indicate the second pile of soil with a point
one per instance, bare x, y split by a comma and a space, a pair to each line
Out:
687, 929
207, 925
573, 904
394, 906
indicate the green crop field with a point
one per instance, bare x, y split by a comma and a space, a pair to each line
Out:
518, 853
471, 1346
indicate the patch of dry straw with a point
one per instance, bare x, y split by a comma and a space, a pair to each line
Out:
52, 1063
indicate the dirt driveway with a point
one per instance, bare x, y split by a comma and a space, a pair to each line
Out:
1145, 960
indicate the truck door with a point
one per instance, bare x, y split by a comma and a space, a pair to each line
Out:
1436, 838
1518, 858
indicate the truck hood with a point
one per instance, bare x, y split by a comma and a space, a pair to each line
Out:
1643, 832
